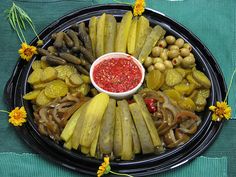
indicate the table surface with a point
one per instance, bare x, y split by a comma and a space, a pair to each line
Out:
213, 21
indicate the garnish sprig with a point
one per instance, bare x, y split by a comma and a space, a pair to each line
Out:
18, 20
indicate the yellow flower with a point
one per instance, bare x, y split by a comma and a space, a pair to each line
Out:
104, 167
221, 110
26, 51
39, 42
17, 116
139, 7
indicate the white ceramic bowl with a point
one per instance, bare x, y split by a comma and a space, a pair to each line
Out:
117, 95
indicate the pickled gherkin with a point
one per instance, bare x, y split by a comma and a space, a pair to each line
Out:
93, 116
132, 36
142, 130
118, 134
156, 33
93, 33
123, 32
149, 122
100, 35
110, 34
154, 79
141, 34
127, 142
107, 128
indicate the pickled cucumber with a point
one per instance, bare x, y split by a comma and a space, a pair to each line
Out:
172, 77
132, 36
201, 78
123, 32
154, 79
110, 34
100, 35
156, 33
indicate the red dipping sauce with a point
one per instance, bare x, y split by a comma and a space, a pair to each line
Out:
117, 74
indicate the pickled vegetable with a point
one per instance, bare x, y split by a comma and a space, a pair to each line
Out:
71, 124
201, 78
100, 35
56, 88
141, 34
142, 130
48, 74
42, 99
107, 128
173, 94
187, 104
36, 64
93, 33
118, 134
76, 79
31, 95
70, 58
93, 114
123, 32
83, 35
154, 79
204, 92
149, 122
173, 77
35, 76
110, 34
127, 143
132, 36
156, 33
65, 71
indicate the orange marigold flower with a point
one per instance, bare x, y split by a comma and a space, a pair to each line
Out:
220, 111
104, 167
26, 51
139, 7
17, 116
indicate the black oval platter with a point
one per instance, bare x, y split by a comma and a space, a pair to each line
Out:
142, 165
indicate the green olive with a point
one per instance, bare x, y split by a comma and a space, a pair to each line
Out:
157, 60
184, 52
188, 62
168, 64
191, 55
170, 39
162, 43
164, 55
148, 62
150, 68
173, 53
160, 66
156, 51
177, 60
179, 42
173, 47
187, 46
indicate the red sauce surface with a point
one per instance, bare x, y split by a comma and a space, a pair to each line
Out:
117, 74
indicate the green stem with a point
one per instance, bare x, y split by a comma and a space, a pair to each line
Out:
31, 25
120, 174
4, 111
18, 24
230, 84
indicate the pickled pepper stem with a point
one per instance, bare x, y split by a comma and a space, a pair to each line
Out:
230, 84
120, 174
